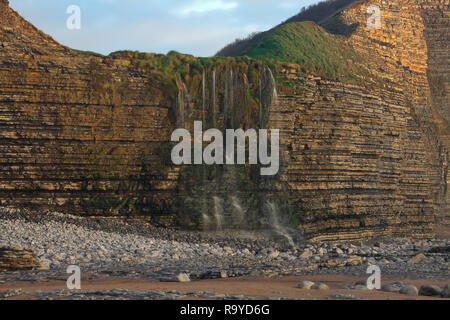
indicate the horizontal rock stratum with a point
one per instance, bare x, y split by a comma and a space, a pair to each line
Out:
14, 259
90, 134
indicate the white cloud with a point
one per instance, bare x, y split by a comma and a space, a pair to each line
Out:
203, 6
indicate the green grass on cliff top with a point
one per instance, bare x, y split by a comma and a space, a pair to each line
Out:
306, 44
310, 46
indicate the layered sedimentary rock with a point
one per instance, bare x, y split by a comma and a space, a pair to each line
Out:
14, 259
410, 53
436, 17
358, 164
78, 133
90, 134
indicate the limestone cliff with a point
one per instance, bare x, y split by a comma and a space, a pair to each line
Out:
89, 134
410, 52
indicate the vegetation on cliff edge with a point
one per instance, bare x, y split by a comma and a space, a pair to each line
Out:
311, 47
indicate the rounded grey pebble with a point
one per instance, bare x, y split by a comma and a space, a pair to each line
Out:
320, 286
305, 285
409, 290
393, 288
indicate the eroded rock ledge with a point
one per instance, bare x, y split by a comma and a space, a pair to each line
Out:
17, 258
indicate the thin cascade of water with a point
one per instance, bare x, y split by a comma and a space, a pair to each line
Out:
268, 95
180, 107
206, 220
239, 212
213, 98
218, 212
274, 85
277, 227
203, 96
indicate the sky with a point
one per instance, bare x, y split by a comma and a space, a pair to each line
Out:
197, 27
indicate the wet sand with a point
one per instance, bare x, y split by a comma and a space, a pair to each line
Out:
257, 288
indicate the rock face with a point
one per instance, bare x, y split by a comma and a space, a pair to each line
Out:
436, 17
411, 52
78, 133
89, 134
14, 259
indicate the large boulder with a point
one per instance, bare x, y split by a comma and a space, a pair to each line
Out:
446, 292
430, 291
320, 286
409, 290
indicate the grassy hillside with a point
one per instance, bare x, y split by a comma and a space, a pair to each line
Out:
311, 47
314, 39
320, 11
315, 13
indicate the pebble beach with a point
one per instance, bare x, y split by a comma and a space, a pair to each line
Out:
109, 249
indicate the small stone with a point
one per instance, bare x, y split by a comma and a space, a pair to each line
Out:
306, 254
393, 287
182, 277
155, 254
317, 258
360, 287
45, 264
420, 258
409, 290
305, 285
354, 261
320, 286
274, 254
430, 291
339, 251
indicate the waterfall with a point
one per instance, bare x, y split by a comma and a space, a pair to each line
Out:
229, 103
238, 212
275, 223
268, 95
180, 107
227, 207
273, 83
213, 98
205, 217
203, 96
218, 212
